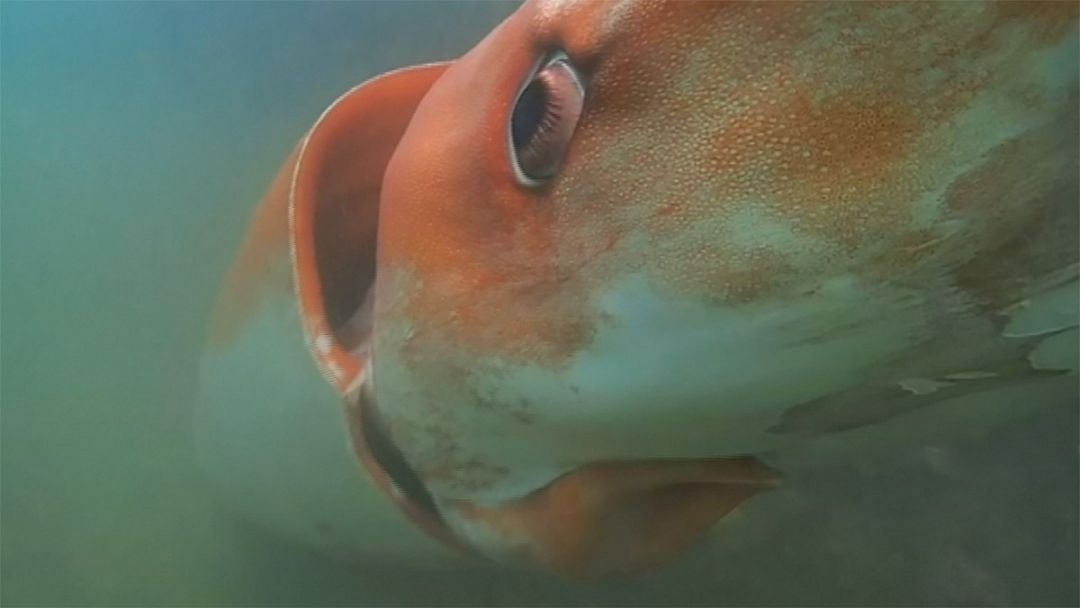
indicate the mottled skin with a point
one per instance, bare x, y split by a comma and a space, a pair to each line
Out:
880, 179
775, 221
848, 154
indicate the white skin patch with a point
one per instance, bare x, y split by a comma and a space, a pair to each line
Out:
971, 376
335, 371
1060, 352
922, 386
1050, 311
323, 343
494, 544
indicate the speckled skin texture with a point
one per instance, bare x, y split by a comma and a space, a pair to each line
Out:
735, 152
775, 221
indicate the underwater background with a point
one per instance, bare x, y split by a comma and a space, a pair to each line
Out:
137, 138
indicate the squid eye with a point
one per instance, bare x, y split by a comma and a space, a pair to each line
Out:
543, 121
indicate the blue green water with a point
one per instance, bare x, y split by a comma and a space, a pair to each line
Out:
136, 138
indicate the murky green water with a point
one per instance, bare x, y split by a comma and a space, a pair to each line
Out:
136, 138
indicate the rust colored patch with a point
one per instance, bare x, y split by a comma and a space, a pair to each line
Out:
475, 254
619, 518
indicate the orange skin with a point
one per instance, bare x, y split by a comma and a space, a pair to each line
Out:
736, 158
696, 112
777, 116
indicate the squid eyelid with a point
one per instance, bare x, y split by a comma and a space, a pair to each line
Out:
543, 119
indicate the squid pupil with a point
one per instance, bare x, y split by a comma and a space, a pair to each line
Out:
529, 113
